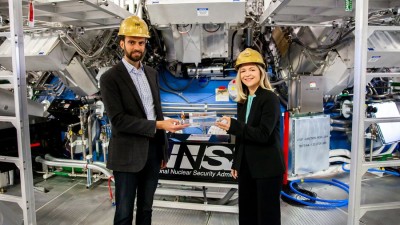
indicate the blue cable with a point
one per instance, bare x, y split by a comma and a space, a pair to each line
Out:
385, 171
314, 204
344, 169
318, 181
341, 183
328, 203
374, 170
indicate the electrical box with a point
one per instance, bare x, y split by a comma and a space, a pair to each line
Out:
309, 144
311, 94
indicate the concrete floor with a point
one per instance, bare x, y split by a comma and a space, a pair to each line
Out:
70, 202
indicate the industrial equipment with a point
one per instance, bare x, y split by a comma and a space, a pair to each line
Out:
308, 47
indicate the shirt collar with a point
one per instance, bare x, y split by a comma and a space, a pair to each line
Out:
130, 67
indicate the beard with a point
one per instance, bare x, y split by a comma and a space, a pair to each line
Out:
134, 58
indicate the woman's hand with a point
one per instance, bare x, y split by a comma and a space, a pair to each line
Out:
234, 173
224, 123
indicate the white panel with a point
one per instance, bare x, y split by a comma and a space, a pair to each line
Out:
389, 132
164, 12
309, 144
312, 11
42, 53
337, 76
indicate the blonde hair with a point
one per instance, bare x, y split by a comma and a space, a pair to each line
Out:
242, 91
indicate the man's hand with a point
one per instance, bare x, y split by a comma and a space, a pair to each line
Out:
171, 125
163, 164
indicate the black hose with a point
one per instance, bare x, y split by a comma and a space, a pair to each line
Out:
232, 42
175, 93
176, 89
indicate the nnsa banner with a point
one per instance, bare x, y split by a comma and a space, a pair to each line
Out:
205, 162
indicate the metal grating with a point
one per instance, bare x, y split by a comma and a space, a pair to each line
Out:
163, 216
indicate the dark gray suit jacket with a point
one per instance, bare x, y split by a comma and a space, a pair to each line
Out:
258, 141
131, 131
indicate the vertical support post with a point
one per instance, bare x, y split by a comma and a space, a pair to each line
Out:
21, 112
286, 131
358, 127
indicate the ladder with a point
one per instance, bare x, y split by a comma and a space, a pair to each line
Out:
20, 121
358, 165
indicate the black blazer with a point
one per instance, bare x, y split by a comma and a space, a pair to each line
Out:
131, 131
258, 141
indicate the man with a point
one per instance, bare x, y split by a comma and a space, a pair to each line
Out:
138, 146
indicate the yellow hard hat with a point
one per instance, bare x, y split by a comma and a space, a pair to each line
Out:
249, 56
134, 26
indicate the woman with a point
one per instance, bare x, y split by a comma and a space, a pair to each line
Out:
258, 159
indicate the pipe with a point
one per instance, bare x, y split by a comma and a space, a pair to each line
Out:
340, 121
339, 152
249, 37
344, 129
278, 82
81, 51
54, 159
233, 202
283, 101
89, 161
82, 117
71, 141
102, 27
339, 159
75, 165
226, 198
90, 143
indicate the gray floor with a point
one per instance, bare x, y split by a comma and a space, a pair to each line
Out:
69, 202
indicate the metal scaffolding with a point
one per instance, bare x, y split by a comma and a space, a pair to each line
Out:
20, 121
358, 164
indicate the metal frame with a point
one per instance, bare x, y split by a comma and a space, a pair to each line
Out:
357, 139
358, 164
204, 206
20, 121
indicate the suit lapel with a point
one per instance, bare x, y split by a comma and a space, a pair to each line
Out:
126, 78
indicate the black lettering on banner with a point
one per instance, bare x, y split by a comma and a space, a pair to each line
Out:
200, 162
